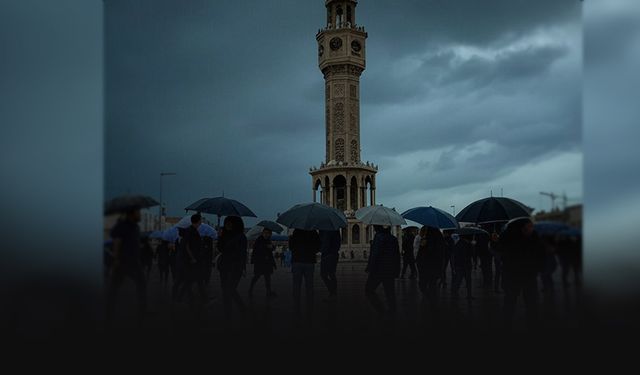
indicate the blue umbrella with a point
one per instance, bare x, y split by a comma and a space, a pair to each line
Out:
171, 234
313, 216
546, 228
431, 217
206, 230
279, 237
571, 232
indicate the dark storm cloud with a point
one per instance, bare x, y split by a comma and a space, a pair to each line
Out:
228, 93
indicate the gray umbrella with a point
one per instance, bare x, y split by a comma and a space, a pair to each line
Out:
271, 225
313, 216
220, 206
128, 202
379, 215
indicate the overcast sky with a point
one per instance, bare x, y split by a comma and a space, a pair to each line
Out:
459, 98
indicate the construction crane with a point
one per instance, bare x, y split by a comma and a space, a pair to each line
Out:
553, 199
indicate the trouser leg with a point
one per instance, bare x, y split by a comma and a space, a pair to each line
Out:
370, 291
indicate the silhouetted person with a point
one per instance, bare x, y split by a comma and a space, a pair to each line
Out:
304, 245
353, 255
448, 250
430, 261
486, 260
408, 258
462, 257
146, 256
206, 266
263, 261
232, 244
127, 262
522, 258
162, 255
569, 254
173, 261
497, 262
330, 242
192, 259
383, 268
549, 266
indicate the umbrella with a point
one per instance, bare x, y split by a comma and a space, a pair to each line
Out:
207, 230
273, 226
279, 237
184, 223
127, 203
471, 231
313, 216
431, 217
171, 234
155, 234
379, 215
493, 210
220, 206
550, 227
571, 232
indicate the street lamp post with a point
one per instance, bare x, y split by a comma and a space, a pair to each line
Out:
162, 174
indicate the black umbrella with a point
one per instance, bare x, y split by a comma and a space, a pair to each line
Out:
220, 206
127, 203
493, 209
313, 216
273, 226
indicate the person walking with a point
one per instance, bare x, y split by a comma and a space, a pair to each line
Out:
162, 256
304, 245
192, 261
127, 263
287, 258
462, 257
448, 262
146, 255
430, 262
486, 260
523, 258
232, 262
497, 263
263, 261
330, 242
383, 268
408, 258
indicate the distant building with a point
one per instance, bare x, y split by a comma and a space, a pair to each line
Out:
571, 215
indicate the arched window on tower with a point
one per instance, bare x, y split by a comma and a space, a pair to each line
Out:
349, 15
355, 235
339, 17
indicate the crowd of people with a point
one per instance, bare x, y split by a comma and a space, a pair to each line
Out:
512, 261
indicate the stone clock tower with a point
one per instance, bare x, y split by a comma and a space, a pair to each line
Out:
343, 181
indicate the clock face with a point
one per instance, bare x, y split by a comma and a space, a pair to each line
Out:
336, 43
320, 50
356, 46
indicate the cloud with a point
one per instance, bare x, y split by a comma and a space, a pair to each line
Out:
230, 96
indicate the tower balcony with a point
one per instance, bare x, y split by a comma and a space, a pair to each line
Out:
342, 26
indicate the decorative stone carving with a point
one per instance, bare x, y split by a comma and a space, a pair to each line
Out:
338, 115
354, 91
339, 149
339, 90
354, 151
353, 119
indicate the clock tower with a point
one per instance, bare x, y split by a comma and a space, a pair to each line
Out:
343, 181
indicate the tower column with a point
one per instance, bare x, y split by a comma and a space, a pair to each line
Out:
348, 205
